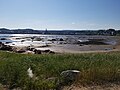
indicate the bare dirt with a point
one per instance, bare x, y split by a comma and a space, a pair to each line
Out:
93, 87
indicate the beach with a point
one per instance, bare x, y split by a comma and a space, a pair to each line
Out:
63, 43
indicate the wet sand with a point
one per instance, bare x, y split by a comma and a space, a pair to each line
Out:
73, 48
81, 49
77, 48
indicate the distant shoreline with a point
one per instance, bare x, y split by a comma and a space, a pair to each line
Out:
108, 32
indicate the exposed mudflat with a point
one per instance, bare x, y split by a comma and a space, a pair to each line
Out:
63, 43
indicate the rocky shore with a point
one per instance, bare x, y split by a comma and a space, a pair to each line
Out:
60, 44
25, 50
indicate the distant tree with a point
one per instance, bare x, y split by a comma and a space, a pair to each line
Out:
118, 32
111, 32
101, 32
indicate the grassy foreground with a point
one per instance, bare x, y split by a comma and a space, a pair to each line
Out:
94, 68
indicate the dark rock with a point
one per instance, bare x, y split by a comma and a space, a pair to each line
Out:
3, 39
46, 51
30, 48
7, 42
22, 40
81, 44
53, 40
37, 51
61, 39
5, 47
52, 52
20, 51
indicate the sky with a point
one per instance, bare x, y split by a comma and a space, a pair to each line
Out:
60, 14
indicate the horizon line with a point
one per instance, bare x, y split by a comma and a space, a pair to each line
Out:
54, 29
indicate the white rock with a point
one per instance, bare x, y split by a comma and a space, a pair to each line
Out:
30, 73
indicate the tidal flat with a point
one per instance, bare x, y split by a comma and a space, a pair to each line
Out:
63, 43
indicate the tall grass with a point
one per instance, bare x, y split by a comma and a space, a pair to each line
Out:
94, 68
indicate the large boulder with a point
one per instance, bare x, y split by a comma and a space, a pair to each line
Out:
69, 76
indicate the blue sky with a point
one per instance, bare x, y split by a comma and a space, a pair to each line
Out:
60, 14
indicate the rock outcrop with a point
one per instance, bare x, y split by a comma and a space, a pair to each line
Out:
5, 47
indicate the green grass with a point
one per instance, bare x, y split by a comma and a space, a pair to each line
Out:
94, 68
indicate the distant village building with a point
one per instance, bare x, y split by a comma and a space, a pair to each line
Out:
110, 32
46, 31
